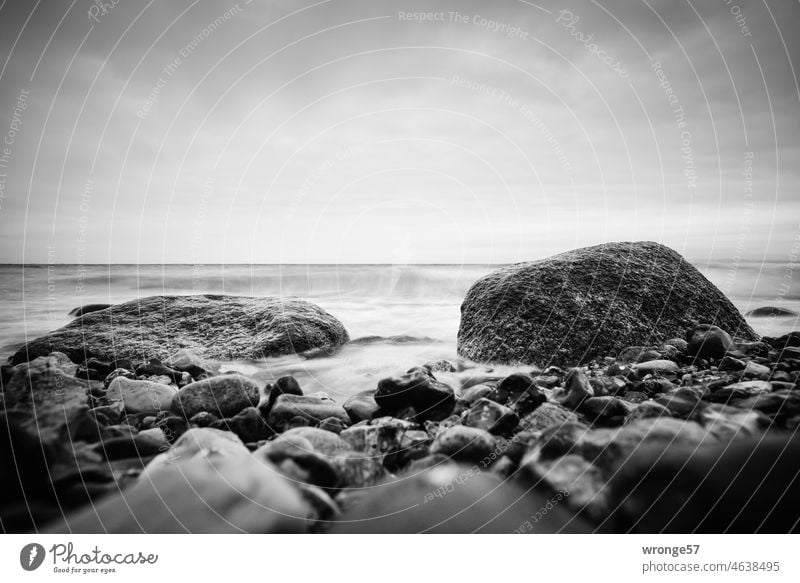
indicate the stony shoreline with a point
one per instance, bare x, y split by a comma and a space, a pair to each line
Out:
583, 435
693, 431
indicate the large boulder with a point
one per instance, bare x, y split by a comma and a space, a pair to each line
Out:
572, 307
212, 326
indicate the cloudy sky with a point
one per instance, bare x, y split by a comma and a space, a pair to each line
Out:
347, 131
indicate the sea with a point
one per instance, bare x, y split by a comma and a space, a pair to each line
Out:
399, 315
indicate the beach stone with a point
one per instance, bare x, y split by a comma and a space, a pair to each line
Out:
333, 425
449, 499
223, 395
492, 417
648, 410
520, 392
286, 385
746, 486
118, 373
711, 342
52, 404
380, 436
359, 471
656, 367
476, 392
467, 444
299, 464
247, 424
189, 361
726, 423
682, 403
430, 399
324, 442
780, 404
577, 387
742, 390
203, 419
606, 410
583, 304
310, 409
156, 371
607, 448
754, 370
146, 443
362, 406
579, 480
145, 397
547, 415
213, 326
210, 493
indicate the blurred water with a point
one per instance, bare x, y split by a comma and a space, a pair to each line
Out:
420, 301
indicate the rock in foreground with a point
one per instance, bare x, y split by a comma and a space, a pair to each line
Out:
214, 326
572, 307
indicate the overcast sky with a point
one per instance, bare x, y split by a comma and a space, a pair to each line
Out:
355, 131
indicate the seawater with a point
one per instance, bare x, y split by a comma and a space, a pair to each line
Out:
414, 308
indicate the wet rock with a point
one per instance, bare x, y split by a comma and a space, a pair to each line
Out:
203, 419
682, 403
726, 423
679, 343
357, 470
779, 404
223, 395
656, 367
547, 415
362, 406
247, 424
580, 481
520, 392
753, 370
448, 499
492, 417
430, 399
648, 410
577, 388
155, 368
747, 486
333, 424
173, 426
144, 397
476, 392
254, 327
309, 408
709, 342
118, 373
324, 442
217, 492
466, 444
607, 448
188, 361
140, 445
287, 385
556, 309
738, 391
299, 464
609, 411
52, 403
382, 436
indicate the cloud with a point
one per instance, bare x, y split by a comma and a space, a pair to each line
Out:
268, 132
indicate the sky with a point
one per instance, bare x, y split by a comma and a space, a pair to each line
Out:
345, 131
